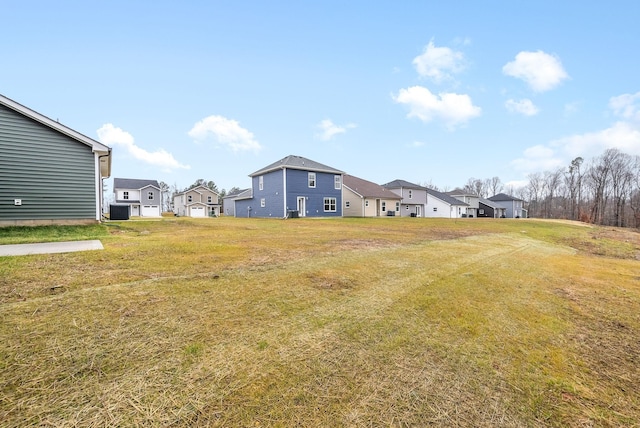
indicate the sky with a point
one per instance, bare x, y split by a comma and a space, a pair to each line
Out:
429, 92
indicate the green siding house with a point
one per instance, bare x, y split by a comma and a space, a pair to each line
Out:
49, 173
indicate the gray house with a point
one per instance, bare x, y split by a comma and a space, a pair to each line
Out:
143, 197
49, 173
444, 206
293, 186
229, 200
490, 209
414, 197
513, 205
364, 198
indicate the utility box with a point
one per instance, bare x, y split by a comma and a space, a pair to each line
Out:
119, 212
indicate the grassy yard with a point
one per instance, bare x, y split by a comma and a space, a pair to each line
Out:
389, 322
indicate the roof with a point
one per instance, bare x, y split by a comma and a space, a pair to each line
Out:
503, 197
396, 184
133, 183
461, 192
366, 188
296, 162
490, 204
446, 198
96, 147
195, 189
235, 193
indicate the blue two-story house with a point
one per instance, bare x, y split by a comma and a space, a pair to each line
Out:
293, 187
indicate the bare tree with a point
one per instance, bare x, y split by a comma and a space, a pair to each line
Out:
573, 183
165, 195
551, 185
494, 185
534, 191
598, 177
621, 184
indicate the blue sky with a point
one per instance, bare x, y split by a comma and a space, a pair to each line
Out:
428, 92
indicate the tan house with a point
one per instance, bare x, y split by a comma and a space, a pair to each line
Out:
199, 201
363, 198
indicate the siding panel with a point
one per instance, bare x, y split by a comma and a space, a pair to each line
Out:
52, 174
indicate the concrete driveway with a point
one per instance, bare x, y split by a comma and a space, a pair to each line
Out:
49, 247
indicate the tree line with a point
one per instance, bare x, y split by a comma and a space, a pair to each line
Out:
604, 190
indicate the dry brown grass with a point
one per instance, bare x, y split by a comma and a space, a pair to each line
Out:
350, 322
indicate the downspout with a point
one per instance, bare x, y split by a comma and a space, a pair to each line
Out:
100, 207
284, 192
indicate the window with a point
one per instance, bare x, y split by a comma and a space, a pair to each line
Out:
150, 196
480, 211
312, 179
337, 182
397, 206
263, 202
330, 205
209, 199
261, 182
125, 195
384, 206
410, 194
407, 207
435, 209
347, 204
366, 203
189, 198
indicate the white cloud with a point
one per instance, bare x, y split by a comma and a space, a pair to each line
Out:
328, 129
537, 158
626, 106
112, 136
225, 131
539, 70
453, 109
622, 135
439, 63
416, 144
524, 107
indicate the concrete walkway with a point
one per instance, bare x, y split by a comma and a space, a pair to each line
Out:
49, 247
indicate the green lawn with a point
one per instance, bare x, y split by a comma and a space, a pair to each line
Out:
308, 322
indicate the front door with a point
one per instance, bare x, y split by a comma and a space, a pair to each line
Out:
418, 211
301, 206
135, 210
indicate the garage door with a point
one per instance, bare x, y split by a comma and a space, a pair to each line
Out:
198, 212
150, 211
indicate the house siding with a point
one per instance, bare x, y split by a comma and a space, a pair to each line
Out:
297, 186
53, 175
272, 193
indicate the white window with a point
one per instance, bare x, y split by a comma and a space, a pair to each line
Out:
397, 206
261, 182
263, 202
210, 199
125, 195
480, 211
312, 179
407, 207
347, 204
366, 203
189, 198
330, 205
384, 206
410, 194
337, 182
435, 209
150, 196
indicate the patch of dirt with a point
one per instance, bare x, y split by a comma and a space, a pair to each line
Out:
329, 282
